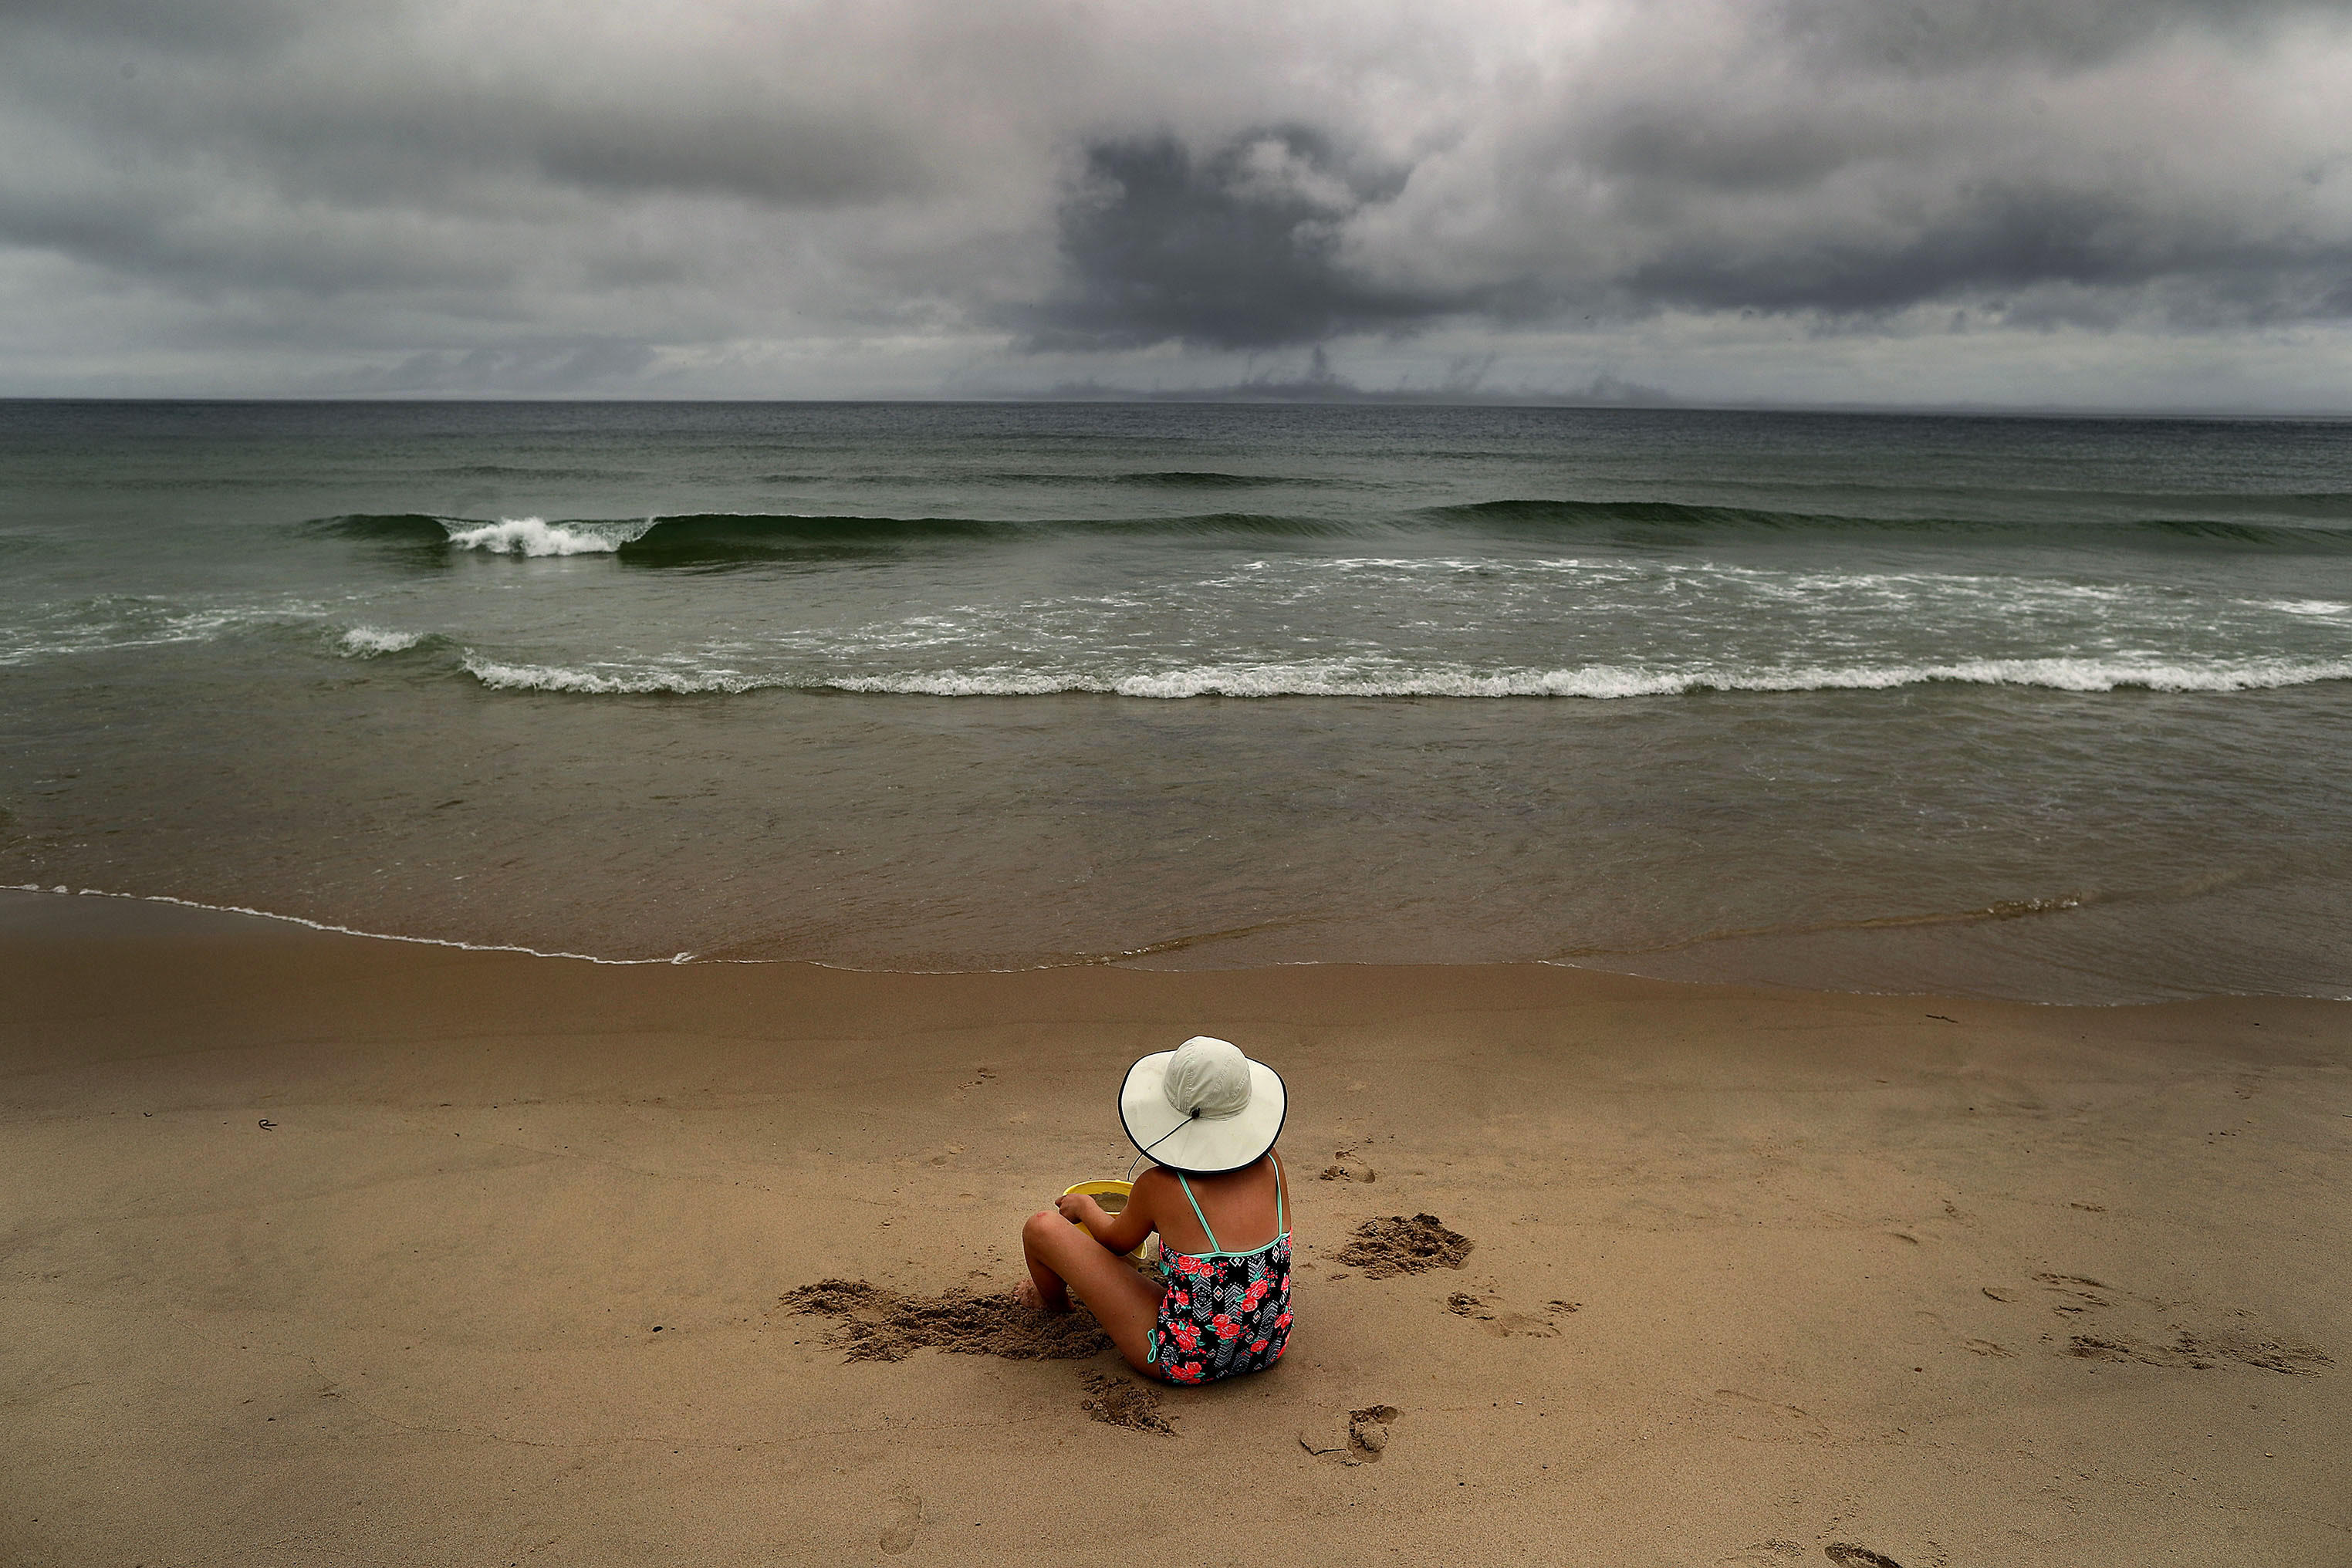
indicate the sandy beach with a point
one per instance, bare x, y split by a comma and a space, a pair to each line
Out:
322, 1249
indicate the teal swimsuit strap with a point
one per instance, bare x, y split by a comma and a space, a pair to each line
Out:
1197, 1213
1280, 1230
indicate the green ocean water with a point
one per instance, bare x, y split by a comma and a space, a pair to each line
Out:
2039, 708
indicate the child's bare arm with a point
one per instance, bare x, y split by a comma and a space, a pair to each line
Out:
1120, 1232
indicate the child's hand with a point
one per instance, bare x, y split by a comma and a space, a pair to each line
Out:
1073, 1206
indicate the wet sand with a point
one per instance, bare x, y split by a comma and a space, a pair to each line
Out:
321, 1249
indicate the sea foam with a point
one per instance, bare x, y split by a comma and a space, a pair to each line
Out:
111, 623
1592, 682
606, 681
537, 536
370, 642
354, 931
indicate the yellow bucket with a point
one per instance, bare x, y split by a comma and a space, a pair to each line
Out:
1113, 1196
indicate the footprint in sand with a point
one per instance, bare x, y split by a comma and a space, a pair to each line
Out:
900, 1533
1491, 1315
1366, 1439
1116, 1402
1986, 1347
2074, 1293
1367, 1431
1846, 1556
1763, 1555
2075, 1296
2197, 1351
1780, 1420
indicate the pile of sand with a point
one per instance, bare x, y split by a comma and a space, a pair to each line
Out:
880, 1324
1396, 1245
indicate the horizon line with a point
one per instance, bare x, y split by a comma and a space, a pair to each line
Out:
1227, 397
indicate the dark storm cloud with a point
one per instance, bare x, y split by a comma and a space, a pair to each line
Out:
1837, 160
1237, 248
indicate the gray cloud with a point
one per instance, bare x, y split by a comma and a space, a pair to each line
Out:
132, 25
542, 369
2091, 162
2002, 241
1931, 37
1462, 382
1237, 248
1830, 159
497, 194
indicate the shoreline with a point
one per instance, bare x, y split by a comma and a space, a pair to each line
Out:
329, 1246
24, 914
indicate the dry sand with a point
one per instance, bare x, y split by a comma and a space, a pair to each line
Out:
323, 1250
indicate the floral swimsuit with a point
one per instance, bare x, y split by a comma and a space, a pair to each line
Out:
1225, 1313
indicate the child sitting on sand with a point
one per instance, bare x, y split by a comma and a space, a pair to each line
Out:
1207, 1116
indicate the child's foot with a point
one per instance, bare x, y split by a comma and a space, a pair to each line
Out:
1025, 1295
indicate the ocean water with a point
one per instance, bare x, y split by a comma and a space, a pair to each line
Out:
2049, 709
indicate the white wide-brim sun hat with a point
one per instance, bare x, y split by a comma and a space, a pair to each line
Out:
1203, 1107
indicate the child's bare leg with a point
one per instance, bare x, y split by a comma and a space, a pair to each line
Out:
1065, 1259
1044, 1289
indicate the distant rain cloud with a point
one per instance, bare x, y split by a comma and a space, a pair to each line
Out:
1237, 247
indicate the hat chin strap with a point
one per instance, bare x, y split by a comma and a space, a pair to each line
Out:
1190, 1117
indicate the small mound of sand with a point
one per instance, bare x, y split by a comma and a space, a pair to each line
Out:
1118, 1403
1400, 1246
880, 1324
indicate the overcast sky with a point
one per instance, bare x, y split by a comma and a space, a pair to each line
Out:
2073, 202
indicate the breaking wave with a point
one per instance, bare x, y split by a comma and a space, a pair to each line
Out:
537, 536
373, 642
604, 681
1593, 682
722, 538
